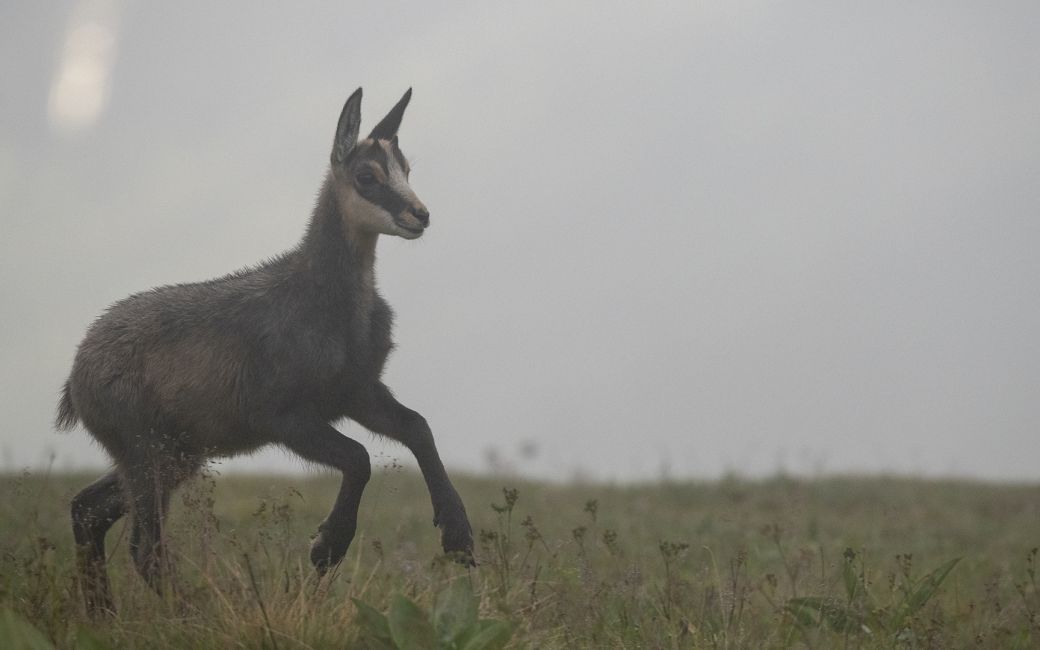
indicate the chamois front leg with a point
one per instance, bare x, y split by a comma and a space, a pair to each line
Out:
319, 442
381, 413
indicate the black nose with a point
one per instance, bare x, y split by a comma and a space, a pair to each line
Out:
422, 214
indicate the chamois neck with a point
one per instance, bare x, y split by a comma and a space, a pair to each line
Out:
331, 251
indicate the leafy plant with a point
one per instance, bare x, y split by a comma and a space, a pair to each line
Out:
859, 614
452, 625
498, 545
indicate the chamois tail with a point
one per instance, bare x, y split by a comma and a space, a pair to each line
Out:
67, 416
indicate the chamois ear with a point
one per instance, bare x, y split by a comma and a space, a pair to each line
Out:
387, 128
347, 129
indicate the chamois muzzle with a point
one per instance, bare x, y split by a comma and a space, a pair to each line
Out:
421, 214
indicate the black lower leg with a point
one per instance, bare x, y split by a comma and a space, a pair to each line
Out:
320, 442
449, 513
380, 412
149, 489
94, 510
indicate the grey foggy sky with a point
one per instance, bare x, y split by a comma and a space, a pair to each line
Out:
716, 236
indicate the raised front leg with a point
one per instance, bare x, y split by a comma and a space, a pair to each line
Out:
381, 413
320, 442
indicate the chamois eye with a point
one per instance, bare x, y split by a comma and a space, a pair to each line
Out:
365, 178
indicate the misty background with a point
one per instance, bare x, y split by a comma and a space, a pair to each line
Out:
668, 238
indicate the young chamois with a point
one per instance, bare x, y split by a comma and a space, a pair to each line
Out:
268, 355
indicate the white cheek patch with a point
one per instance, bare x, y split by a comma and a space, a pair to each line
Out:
396, 178
366, 214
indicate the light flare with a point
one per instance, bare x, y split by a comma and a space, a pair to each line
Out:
82, 83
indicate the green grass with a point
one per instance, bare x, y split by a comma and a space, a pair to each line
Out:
834, 563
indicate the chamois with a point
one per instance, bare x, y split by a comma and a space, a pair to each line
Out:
271, 354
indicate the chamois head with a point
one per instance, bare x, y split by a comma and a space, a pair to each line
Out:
370, 177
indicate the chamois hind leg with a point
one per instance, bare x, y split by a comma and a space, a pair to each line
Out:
319, 442
94, 510
149, 485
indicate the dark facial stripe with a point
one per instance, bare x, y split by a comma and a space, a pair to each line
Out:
384, 197
382, 194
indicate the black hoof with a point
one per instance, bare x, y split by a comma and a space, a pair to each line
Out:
327, 553
457, 541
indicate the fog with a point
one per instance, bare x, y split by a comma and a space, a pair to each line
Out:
668, 239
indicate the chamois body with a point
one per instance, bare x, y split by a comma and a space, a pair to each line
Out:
273, 354
205, 367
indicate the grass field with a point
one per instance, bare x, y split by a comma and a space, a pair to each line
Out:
834, 563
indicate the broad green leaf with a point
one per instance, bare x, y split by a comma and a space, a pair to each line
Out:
409, 627
87, 640
16, 632
369, 642
929, 585
803, 609
923, 592
802, 615
486, 635
455, 610
372, 621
